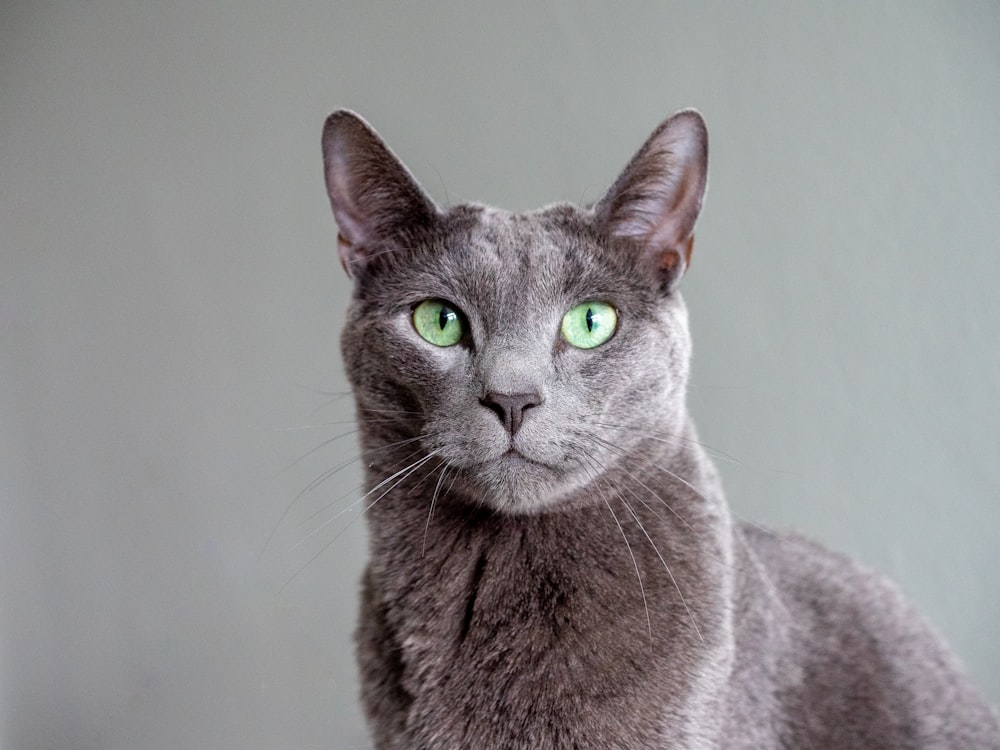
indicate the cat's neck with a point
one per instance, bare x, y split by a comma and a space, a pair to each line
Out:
618, 578
660, 510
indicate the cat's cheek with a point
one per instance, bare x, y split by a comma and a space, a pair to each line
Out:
672, 320
462, 439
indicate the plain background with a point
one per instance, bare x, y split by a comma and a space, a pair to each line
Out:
170, 305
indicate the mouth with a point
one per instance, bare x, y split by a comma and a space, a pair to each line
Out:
514, 457
509, 478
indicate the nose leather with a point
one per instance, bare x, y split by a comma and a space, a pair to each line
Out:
510, 407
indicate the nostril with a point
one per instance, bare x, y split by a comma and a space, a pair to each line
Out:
510, 407
490, 402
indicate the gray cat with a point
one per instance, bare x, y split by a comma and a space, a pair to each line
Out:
553, 563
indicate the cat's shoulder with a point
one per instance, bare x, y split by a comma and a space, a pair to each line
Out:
814, 576
852, 639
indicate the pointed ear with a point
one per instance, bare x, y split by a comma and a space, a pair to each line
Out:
656, 200
373, 195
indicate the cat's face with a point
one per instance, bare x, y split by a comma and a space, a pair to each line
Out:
530, 353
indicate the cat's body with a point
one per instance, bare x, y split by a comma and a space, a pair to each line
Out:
553, 564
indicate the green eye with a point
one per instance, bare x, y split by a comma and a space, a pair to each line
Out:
589, 324
438, 322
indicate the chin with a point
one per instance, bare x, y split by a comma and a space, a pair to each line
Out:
518, 486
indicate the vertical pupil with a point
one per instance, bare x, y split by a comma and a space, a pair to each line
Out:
443, 317
590, 320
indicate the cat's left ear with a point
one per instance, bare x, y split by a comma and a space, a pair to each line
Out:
656, 200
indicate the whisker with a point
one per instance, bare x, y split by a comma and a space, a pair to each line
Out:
762, 572
628, 546
368, 256
763, 529
656, 549
301, 427
288, 509
666, 567
447, 199
614, 448
670, 439
664, 469
652, 510
319, 447
410, 469
642, 589
662, 501
405, 472
381, 449
318, 425
430, 512
330, 504
451, 484
316, 483
335, 396
396, 416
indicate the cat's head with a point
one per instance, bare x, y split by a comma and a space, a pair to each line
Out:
531, 353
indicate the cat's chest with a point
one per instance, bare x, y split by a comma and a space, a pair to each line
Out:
539, 635
496, 598
519, 662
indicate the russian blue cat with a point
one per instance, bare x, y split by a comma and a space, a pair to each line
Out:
553, 564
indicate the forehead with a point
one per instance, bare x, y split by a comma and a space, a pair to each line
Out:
539, 259
505, 270
508, 254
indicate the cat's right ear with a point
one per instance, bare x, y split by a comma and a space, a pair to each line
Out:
373, 196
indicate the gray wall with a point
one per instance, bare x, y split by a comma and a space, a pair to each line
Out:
170, 303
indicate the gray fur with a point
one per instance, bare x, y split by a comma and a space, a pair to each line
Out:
589, 588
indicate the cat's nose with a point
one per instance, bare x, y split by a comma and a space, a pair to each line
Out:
510, 407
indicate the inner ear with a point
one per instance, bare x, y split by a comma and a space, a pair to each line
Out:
673, 264
373, 196
656, 200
